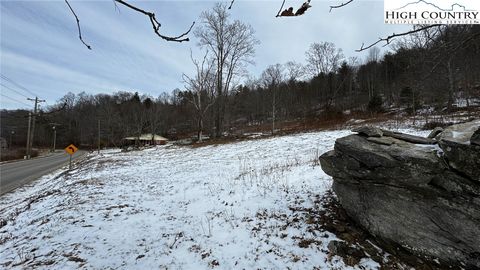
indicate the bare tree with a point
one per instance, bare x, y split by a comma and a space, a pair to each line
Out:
153, 116
271, 78
371, 77
448, 48
233, 47
323, 57
138, 115
373, 55
202, 86
295, 71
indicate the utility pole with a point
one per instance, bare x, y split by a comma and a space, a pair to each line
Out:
33, 124
54, 138
54, 128
11, 134
98, 136
27, 150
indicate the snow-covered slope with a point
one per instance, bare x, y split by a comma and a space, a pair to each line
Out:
224, 207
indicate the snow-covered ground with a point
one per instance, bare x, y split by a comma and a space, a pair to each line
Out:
225, 206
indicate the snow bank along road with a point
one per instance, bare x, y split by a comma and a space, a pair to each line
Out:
224, 207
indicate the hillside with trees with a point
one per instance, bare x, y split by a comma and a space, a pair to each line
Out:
429, 72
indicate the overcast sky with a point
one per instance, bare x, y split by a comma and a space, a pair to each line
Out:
41, 52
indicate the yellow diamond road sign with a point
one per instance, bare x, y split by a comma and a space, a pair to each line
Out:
71, 149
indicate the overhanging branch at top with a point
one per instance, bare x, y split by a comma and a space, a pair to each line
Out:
341, 5
389, 39
153, 20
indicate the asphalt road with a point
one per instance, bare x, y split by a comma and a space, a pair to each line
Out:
18, 173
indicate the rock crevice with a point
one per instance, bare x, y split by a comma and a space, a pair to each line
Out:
422, 193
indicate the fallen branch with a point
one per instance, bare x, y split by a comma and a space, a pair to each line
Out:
177, 236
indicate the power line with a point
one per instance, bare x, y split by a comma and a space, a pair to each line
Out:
13, 90
16, 84
16, 100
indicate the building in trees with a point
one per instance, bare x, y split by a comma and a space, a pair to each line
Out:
146, 139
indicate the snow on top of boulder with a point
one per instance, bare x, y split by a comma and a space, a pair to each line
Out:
460, 133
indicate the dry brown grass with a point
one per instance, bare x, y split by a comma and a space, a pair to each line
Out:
281, 129
324, 122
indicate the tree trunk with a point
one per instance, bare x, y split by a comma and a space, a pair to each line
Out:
218, 105
273, 112
200, 129
451, 84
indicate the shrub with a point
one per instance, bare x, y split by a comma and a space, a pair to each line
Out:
12, 154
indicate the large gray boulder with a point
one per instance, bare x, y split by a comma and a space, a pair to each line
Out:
423, 196
461, 154
368, 131
475, 139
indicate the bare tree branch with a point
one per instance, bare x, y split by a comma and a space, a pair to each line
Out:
56, 110
278, 14
289, 12
153, 20
116, 6
156, 25
341, 5
389, 39
305, 6
231, 4
78, 25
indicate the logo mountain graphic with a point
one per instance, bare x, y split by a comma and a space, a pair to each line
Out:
435, 6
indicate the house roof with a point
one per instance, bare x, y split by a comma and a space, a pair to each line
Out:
146, 137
